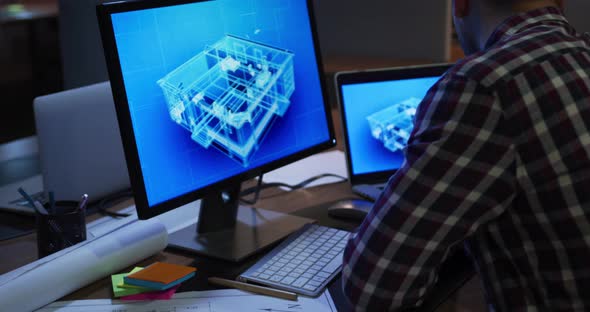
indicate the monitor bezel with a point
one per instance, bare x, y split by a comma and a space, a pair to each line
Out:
144, 210
377, 75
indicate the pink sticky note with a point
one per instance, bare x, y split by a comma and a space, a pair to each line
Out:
154, 295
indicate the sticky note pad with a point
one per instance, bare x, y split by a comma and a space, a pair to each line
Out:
154, 295
123, 285
160, 275
118, 291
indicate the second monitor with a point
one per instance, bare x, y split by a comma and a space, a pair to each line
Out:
209, 94
377, 109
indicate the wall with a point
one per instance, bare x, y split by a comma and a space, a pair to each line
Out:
29, 65
577, 13
417, 29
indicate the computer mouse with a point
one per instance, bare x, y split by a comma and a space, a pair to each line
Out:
354, 209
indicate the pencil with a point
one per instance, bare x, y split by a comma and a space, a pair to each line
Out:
35, 204
254, 288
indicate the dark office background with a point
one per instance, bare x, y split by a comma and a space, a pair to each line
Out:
32, 49
31, 54
31, 60
29, 65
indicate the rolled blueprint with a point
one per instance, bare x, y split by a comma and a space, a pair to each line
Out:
48, 279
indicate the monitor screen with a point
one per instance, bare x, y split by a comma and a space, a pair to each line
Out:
377, 111
379, 117
211, 93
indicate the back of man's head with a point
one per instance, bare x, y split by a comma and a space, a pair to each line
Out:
475, 20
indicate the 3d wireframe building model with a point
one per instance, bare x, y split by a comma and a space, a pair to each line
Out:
393, 125
229, 95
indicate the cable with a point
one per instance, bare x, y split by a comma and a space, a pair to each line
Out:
111, 200
256, 190
259, 186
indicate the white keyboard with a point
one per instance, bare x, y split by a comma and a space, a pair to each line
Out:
304, 263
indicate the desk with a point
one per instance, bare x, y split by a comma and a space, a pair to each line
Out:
310, 203
307, 203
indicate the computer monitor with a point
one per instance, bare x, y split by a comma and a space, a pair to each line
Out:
209, 94
377, 112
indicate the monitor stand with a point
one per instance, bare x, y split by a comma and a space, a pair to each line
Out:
225, 230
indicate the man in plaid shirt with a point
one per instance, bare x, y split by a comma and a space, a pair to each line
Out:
499, 161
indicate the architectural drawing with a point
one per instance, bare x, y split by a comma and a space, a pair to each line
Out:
229, 95
393, 125
222, 300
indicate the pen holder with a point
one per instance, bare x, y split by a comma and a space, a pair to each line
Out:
62, 227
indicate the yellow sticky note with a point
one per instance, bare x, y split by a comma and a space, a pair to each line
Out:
117, 280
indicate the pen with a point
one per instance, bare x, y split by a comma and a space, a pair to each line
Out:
253, 288
41, 210
35, 204
83, 203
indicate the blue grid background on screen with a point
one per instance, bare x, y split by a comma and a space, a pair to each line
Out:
361, 100
152, 43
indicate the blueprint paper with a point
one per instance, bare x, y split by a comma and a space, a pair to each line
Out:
92, 229
165, 295
50, 278
173, 220
105, 225
229, 300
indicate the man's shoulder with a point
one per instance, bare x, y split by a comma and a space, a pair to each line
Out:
491, 66
509, 58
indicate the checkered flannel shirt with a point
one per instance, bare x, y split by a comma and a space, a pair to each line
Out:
499, 161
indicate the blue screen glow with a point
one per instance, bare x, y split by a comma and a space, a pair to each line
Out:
217, 88
362, 100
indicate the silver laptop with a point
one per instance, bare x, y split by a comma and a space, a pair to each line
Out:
19, 164
377, 109
79, 148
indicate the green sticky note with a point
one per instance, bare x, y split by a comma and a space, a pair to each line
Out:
122, 284
118, 291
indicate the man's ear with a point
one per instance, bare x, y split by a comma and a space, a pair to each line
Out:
461, 8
